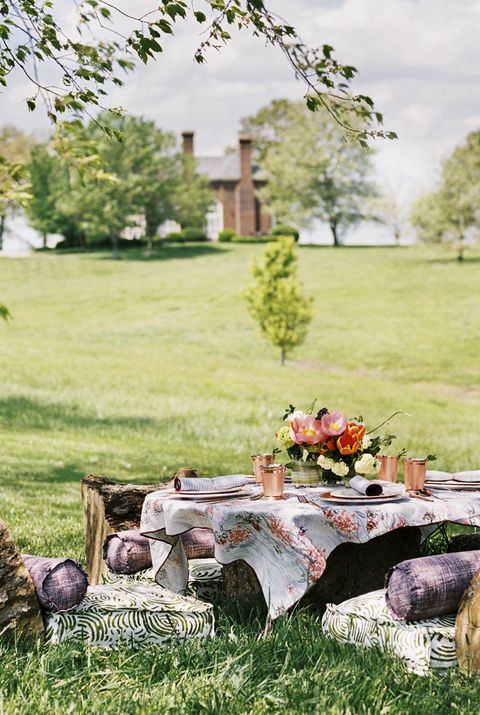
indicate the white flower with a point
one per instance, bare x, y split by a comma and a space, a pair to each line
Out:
366, 442
325, 462
340, 469
297, 415
367, 464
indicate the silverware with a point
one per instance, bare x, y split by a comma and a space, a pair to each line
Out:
415, 495
303, 500
256, 496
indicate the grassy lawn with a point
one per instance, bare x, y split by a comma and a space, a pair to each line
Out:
133, 368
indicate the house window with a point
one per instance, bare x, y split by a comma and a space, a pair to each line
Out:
215, 221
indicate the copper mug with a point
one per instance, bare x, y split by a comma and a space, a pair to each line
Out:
273, 478
186, 472
388, 467
259, 461
414, 473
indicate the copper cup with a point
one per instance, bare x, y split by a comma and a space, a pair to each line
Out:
259, 461
186, 472
388, 468
273, 477
414, 473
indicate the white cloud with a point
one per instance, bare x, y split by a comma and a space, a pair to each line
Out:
417, 58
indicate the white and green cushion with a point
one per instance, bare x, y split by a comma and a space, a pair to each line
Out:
137, 614
366, 621
205, 579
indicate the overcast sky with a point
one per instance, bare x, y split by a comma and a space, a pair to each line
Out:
418, 59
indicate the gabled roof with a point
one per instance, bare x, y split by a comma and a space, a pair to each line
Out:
220, 167
223, 168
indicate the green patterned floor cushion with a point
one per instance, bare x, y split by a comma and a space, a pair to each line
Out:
366, 621
136, 614
205, 579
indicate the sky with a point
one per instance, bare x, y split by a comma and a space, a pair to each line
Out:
418, 59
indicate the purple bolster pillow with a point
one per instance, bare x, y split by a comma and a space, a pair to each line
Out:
429, 586
60, 583
199, 543
128, 551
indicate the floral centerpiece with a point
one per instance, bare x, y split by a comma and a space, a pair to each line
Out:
327, 445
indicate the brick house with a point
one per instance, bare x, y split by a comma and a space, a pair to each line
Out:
234, 179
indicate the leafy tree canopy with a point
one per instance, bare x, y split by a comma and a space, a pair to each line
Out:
80, 68
311, 170
452, 212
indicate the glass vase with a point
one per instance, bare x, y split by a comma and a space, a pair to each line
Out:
306, 473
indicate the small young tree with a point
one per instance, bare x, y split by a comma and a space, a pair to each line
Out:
276, 301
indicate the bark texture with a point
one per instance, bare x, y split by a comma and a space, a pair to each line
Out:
108, 507
20, 613
467, 628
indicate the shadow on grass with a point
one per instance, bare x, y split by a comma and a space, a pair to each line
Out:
452, 260
24, 413
165, 253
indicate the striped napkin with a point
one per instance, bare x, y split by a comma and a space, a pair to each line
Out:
215, 484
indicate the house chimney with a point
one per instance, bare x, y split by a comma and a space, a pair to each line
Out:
187, 137
245, 152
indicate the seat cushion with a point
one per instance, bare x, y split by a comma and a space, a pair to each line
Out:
366, 621
205, 579
429, 586
137, 614
60, 584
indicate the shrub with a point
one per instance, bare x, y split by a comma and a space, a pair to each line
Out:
283, 229
227, 235
194, 233
174, 237
253, 239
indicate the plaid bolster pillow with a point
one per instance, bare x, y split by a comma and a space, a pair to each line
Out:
60, 583
199, 543
429, 586
127, 552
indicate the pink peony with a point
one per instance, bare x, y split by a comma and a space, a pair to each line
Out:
306, 430
334, 423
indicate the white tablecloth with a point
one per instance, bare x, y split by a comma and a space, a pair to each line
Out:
285, 542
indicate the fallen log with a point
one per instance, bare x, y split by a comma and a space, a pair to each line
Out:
467, 628
20, 613
108, 507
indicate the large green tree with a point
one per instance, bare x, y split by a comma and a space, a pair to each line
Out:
15, 147
73, 73
451, 213
90, 188
311, 170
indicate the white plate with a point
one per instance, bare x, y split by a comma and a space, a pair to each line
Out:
342, 496
453, 486
467, 477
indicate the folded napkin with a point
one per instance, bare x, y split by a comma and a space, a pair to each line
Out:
375, 487
471, 476
216, 484
434, 475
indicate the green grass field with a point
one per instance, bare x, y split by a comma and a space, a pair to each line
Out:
133, 368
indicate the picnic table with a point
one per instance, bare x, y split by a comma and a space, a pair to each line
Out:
287, 543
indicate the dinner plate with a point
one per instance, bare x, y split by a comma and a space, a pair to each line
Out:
454, 486
340, 496
211, 493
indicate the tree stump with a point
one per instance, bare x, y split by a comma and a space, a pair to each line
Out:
19, 608
352, 569
467, 627
465, 542
108, 507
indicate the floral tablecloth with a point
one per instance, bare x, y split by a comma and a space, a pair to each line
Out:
286, 542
